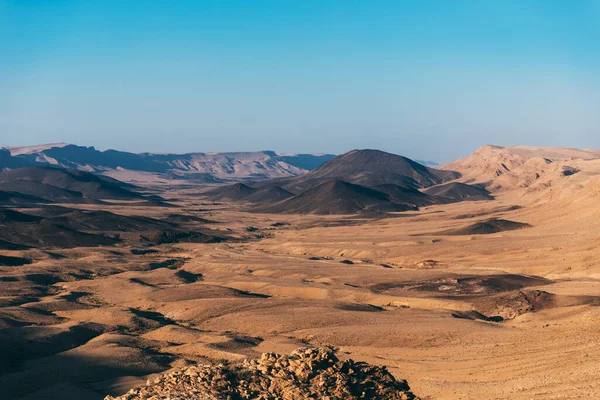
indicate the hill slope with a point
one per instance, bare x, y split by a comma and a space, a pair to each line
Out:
372, 168
358, 181
406, 195
487, 227
17, 199
521, 167
59, 185
237, 191
25, 230
269, 195
456, 191
335, 197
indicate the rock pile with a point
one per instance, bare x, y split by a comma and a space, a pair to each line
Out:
307, 373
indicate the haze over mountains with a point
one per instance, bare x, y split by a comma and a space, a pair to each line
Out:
204, 167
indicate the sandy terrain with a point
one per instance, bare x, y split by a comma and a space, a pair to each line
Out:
511, 314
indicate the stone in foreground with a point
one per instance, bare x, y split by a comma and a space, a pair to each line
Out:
307, 373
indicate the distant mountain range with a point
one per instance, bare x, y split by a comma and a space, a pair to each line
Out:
360, 181
200, 167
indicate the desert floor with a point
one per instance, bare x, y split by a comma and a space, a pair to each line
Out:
396, 291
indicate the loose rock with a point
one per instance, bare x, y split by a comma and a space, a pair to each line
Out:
307, 373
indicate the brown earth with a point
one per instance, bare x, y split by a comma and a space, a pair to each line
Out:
511, 314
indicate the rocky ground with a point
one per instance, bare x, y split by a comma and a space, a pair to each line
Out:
307, 373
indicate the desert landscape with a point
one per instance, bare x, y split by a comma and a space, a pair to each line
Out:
140, 275
291, 200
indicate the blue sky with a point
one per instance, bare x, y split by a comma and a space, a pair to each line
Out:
426, 79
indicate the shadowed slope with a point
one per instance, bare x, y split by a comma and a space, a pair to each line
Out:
269, 195
64, 185
372, 168
236, 191
24, 230
406, 195
335, 197
456, 191
487, 227
13, 198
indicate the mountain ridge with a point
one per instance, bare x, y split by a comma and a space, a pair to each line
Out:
216, 166
360, 181
61, 185
501, 168
335, 197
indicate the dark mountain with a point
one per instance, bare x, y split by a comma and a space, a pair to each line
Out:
456, 191
59, 185
335, 197
374, 167
237, 191
369, 168
269, 195
358, 181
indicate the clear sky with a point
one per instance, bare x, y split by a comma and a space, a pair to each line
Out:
422, 78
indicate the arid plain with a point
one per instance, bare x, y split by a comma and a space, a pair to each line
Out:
446, 296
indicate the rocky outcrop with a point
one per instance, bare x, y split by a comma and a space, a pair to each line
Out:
307, 373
